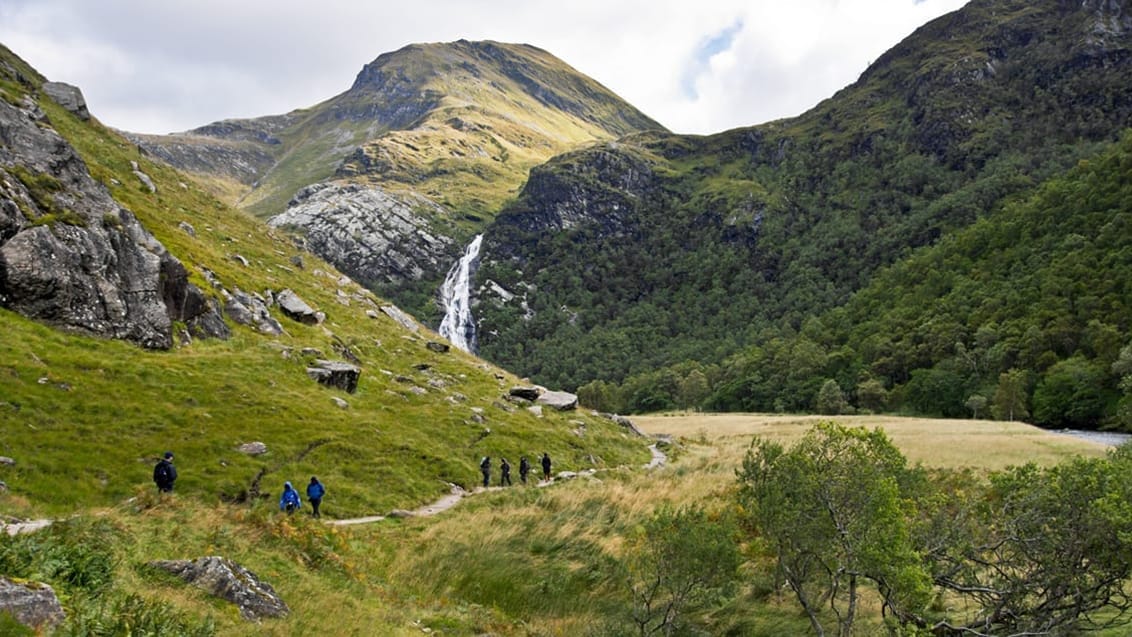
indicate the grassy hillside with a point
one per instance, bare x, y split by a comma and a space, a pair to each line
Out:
94, 414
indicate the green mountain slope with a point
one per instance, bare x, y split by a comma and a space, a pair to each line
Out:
677, 251
410, 162
1026, 310
84, 418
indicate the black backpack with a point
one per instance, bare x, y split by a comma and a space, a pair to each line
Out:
161, 473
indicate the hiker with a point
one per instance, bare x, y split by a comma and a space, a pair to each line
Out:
485, 467
165, 474
545, 466
524, 469
505, 471
315, 491
289, 501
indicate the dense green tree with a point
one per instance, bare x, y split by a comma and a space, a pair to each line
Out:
694, 390
601, 395
1072, 393
871, 395
833, 512
936, 392
830, 399
1041, 552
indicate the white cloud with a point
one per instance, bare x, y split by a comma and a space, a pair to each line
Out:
695, 67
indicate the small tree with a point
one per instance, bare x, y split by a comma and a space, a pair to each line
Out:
872, 395
976, 403
830, 399
1010, 396
694, 390
675, 564
833, 512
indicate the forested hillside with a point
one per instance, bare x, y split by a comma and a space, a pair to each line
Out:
1025, 314
676, 252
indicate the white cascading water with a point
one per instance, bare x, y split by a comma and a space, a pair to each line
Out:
455, 294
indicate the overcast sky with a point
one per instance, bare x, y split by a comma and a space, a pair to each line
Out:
698, 66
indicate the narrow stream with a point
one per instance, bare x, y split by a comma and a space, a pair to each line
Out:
1110, 438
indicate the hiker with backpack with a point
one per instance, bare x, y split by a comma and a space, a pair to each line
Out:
289, 501
315, 491
505, 473
485, 467
524, 469
165, 474
545, 466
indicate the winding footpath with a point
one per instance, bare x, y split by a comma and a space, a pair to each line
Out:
455, 495
458, 493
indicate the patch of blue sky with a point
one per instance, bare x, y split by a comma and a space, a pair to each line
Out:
708, 48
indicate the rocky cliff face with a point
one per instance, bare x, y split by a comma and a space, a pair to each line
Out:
70, 255
372, 235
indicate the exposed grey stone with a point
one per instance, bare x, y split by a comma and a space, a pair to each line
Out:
560, 400
5, 460
440, 348
32, 604
239, 258
339, 403
526, 392
372, 314
69, 97
400, 514
624, 422
144, 178
369, 233
337, 374
536, 410
228, 580
99, 271
311, 351
253, 448
251, 309
187, 228
397, 314
297, 261
296, 308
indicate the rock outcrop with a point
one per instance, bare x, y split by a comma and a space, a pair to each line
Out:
228, 580
559, 400
296, 308
32, 604
336, 374
69, 97
370, 234
71, 256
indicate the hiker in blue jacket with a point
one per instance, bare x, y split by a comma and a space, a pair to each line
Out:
315, 491
289, 501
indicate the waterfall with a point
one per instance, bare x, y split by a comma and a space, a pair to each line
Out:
455, 294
